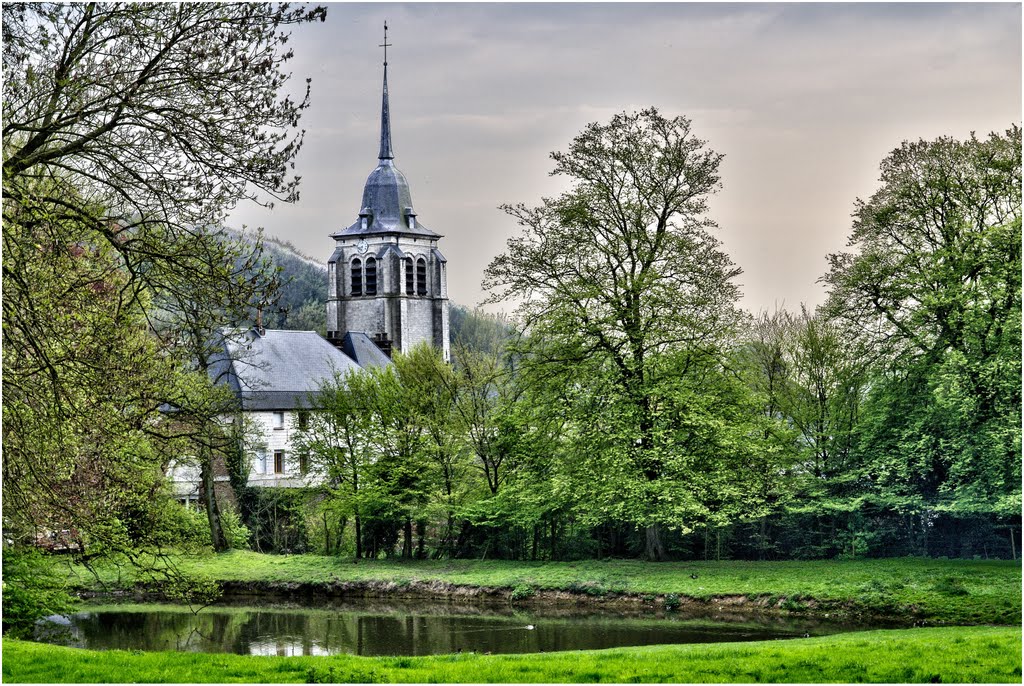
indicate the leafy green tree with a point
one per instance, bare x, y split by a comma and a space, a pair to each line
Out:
337, 440
764, 364
825, 397
128, 130
932, 296
81, 388
512, 431
618, 273
430, 390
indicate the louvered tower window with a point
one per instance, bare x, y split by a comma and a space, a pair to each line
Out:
410, 284
371, 276
357, 277
421, 276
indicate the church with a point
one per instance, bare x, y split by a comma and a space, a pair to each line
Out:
387, 291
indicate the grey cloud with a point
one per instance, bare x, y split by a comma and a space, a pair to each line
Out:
803, 99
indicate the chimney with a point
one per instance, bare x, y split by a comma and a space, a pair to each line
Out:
381, 339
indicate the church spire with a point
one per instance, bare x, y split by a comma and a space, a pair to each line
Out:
385, 114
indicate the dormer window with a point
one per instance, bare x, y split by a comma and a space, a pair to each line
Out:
357, 277
410, 218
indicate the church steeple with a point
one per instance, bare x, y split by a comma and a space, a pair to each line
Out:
386, 277
385, 114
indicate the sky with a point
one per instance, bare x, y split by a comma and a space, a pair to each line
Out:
804, 100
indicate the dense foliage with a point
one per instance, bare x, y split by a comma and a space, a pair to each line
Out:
128, 131
630, 408
638, 412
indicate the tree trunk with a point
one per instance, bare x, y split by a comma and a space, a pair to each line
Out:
359, 538
763, 537
327, 536
421, 534
407, 542
340, 538
554, 534
654, 549
217, 537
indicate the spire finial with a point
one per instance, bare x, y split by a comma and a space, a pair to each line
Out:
385, 44
385, 113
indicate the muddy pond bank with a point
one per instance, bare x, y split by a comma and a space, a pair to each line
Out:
553, 602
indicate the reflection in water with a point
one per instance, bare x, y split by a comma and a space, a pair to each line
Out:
405, 628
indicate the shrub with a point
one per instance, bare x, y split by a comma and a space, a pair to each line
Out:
522, 592
672, 602
950, 585
235, 531
591, 588
31, 590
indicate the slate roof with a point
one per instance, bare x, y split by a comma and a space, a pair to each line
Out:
363, 350
278, 370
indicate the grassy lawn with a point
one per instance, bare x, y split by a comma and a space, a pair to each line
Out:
949, 591
946, 654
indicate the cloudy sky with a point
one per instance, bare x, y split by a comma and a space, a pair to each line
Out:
804, 100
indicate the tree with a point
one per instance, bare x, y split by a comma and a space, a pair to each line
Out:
129, 131
430, 389
82, 382
827, 391
621, 271
932, 296
337, 440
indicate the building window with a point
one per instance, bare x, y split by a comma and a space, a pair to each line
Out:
410, 286
261, 461
304, 462
421, 276
303, 420
357, 277
279, 420
278, 462
371, 276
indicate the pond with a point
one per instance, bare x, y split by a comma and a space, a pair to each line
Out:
401, 627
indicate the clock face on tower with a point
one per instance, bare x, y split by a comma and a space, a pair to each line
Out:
362, 247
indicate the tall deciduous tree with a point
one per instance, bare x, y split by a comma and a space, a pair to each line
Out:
622, 270
129, 130
337, 440
932, 294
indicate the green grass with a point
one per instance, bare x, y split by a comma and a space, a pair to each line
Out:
947, 654
948, 591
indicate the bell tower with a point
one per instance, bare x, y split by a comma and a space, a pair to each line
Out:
386, 277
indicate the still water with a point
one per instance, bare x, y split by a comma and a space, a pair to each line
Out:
369, 627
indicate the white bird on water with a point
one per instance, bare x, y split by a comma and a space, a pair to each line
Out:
529, 627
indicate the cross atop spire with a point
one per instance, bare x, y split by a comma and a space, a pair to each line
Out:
385, 113
385, 44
